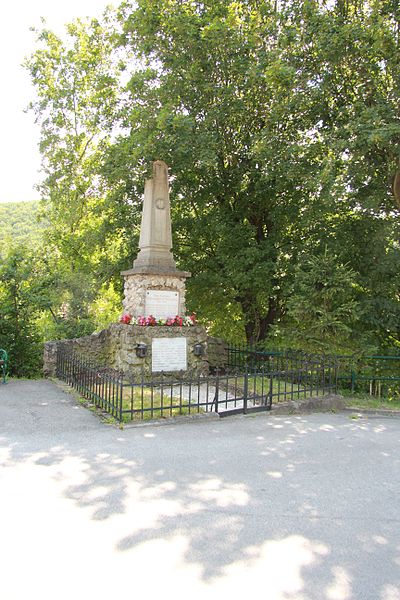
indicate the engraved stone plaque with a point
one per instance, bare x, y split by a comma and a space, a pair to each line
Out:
162, 304
169, 354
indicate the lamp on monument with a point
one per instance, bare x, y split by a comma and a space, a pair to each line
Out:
198, 349
141, 350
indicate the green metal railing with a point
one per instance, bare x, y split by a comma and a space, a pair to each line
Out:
3, 364
378, 375
252, 357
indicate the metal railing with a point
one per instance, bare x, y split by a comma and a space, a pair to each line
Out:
377, 375
241, 356
168, 395
252, 358
100, 385
3, 364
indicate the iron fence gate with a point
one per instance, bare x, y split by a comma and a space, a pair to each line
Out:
242, 391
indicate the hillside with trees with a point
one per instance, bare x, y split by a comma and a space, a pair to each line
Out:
279, 122
20, 224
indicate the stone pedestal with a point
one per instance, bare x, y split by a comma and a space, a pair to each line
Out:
116, 346
138, 286
130, 336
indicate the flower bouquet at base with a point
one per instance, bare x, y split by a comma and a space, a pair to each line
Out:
150, 321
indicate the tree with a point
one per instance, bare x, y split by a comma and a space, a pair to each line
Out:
358, 50
273, 118
21, 299
76, 81
220, 96
322, 310
279, 122
19, 223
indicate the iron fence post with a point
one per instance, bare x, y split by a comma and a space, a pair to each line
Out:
121, 395
269, 405
335, 375
216, 397
245, 390
353, 381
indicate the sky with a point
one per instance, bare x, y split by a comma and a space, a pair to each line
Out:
19, 153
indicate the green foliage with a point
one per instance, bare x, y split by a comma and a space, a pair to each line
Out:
275, 146
21, 299
322, 310
75, 103
87, 239
106, 307
234, 112
280, 124
19, 224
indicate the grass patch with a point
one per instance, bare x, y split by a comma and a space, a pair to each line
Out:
360, 400
282, 390
152, 404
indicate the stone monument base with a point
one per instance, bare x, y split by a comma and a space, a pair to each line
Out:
117, 347
139, 286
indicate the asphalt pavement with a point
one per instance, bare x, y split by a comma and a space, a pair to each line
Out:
301, 507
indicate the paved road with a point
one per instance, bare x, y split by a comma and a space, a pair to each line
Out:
278, 508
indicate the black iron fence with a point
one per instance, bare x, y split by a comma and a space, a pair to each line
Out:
242, 390
377, 375
100, 385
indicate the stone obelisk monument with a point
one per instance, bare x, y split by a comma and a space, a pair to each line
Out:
154, 286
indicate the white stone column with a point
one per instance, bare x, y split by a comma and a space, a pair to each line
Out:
155, 232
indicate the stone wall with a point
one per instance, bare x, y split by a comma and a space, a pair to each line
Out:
137, 284
131, 335
97, 348
116, 347
217, 353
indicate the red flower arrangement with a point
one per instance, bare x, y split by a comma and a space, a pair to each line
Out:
126, 319
151, 321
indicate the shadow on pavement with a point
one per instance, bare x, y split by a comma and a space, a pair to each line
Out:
298, 507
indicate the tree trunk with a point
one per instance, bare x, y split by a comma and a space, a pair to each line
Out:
396, 188
258, 325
